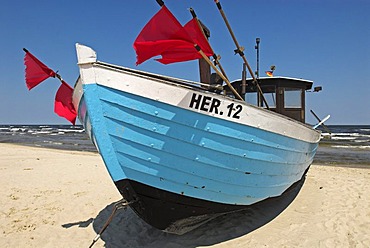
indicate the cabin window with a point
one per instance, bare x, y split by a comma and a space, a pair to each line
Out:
251, 98
292, 98
269, 95
270, 99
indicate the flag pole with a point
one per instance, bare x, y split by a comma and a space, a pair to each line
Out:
160, 2
62, 81
215, 57
218, 72
240, 50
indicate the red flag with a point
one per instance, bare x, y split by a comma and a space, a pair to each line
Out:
63, 105
160, 33
164, 35
36, 71
185, 53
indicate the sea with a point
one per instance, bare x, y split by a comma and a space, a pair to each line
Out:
340, 145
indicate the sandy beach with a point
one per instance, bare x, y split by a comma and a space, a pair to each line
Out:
57, 198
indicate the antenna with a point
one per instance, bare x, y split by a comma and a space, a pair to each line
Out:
257, 47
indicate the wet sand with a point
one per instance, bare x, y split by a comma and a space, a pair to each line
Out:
57, 198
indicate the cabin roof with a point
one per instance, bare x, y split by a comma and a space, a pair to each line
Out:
285, 78
281, 81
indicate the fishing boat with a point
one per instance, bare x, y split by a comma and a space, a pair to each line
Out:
182, 154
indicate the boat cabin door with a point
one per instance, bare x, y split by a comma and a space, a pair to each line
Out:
291, 102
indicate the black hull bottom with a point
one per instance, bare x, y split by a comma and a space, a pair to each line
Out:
168, 211
172, 212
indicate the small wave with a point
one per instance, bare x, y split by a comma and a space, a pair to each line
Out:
343, 138
351, 147
71, 130
41, 132
364, 130
53, 142
17, 129
47, 129
362, 141
346, 134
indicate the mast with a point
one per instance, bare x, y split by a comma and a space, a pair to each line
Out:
204, 67
239, 50
257, 47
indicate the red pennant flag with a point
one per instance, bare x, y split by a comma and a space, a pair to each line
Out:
36, 71
164, 35
185, 53
63, 105
160, 33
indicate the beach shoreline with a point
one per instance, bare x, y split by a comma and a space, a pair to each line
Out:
61, 198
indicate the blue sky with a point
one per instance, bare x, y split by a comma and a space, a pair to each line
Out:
326, 41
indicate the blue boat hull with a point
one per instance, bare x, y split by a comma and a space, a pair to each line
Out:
181, 154
162, 152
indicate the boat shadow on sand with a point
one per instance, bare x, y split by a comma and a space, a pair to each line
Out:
128, 230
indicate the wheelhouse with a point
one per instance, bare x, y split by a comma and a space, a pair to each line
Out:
283, 95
